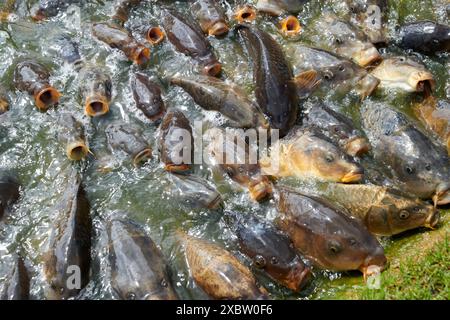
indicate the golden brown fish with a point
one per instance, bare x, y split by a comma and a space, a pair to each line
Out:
328, 236
404, 74
218, 272
309, 154
384, 211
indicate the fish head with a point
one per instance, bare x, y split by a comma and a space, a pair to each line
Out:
404, 73
396, 214
275, 254
327, 161
350, 249
348, 41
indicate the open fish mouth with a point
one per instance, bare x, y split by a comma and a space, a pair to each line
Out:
367, 57
142, 157
245, 14
297, 279
96, 106
433, 220
419, 80
260, 190
442, 196
177, 167
155, 35
218, 29
371, 271
141, 55
290, 26
77, 151
357, 147
46, 98
212, 69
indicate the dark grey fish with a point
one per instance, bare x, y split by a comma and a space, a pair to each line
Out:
138, 268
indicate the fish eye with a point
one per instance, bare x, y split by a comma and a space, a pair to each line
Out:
404, 214
274, 260
402, 59
334, 247
260, 262
329, 158
131, 296
410, 170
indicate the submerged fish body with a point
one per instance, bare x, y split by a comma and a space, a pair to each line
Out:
188, 39
275, 89
33, 77
17, 286
418, 166
138, 268
119, 38
71, 135
270, 251
425, 36
69, 254
402, 73
9, 190
214, 94
218, 272
344, 39
310, 154
176, 155
337, 127
435, 115
383, 211
147, 96
128, 139
334, 72
328, 236
196, 191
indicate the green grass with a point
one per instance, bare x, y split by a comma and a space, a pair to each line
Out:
428, 278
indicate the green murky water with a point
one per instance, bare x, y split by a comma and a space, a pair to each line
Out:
28, 141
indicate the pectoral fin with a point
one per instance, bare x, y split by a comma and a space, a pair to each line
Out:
306, 82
